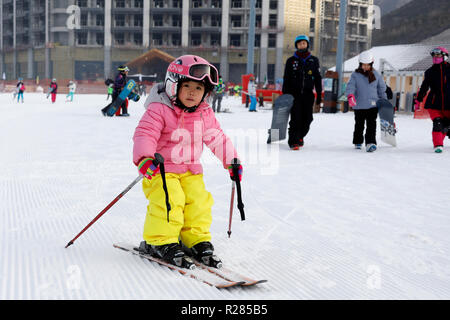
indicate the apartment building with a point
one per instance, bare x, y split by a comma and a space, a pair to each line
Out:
88, 39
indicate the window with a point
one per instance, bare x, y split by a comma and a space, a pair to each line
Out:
236, 3
82, 3
216, 4
176, 39
196, 39
196, 3
82, 38
120, 3
273, 5
216, 20
215, 39
158, 3
363, 30
236, 21
120, 20
177, 4
139, 3
119, 38
99, 20
84, 19
137, 38
257, 40
138, 20
235, 40
100, 3
272, 20
196, 21
157, 39
100, 38
176, 21
157, 21
272, 40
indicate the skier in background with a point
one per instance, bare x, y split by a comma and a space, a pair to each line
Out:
110, 91
119, 83
181, 99
365, 87
252, 94
219, 92
72, 87
20, 88
437, 79
53, 90
301, 76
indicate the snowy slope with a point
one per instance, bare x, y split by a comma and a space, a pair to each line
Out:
326, 222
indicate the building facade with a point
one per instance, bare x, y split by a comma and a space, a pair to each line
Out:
88, 39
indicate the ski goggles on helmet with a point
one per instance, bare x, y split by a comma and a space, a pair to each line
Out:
436, 52
124, 69
196, 72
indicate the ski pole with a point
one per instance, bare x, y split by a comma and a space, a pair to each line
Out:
235, 168
158, 160
233, 187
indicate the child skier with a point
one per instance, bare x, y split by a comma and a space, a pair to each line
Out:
20, 90
72, 87
365, 87
437, 79
53, 90
177, 122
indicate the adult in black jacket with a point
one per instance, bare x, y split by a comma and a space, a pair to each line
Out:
301, 76
437, 80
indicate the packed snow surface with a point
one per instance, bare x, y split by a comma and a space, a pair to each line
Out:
324, 222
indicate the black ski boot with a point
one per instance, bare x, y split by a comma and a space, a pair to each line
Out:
204, 252
171, 253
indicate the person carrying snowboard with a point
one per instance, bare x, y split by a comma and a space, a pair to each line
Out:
177, 123
119, 83
437, 79
301, 76
20, 89
365, 87
53, 90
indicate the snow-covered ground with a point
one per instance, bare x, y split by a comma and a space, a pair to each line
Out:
325, 222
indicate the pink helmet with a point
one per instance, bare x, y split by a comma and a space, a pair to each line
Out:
189, 67
439, 54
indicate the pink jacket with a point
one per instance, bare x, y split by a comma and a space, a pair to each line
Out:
179, 136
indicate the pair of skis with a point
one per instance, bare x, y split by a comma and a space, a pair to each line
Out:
219, 278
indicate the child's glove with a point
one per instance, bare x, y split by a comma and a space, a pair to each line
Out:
230, 170
147, 168
351, 100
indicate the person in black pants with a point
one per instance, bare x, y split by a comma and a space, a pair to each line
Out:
301, 76
119, 83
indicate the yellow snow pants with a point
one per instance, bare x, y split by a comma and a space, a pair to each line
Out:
190, 215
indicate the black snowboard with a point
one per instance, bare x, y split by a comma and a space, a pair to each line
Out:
280, 117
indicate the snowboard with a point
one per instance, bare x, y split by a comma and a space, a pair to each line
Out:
280, 117
387, 124
111, 109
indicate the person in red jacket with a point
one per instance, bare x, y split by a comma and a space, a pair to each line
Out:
437, 80
53, 90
